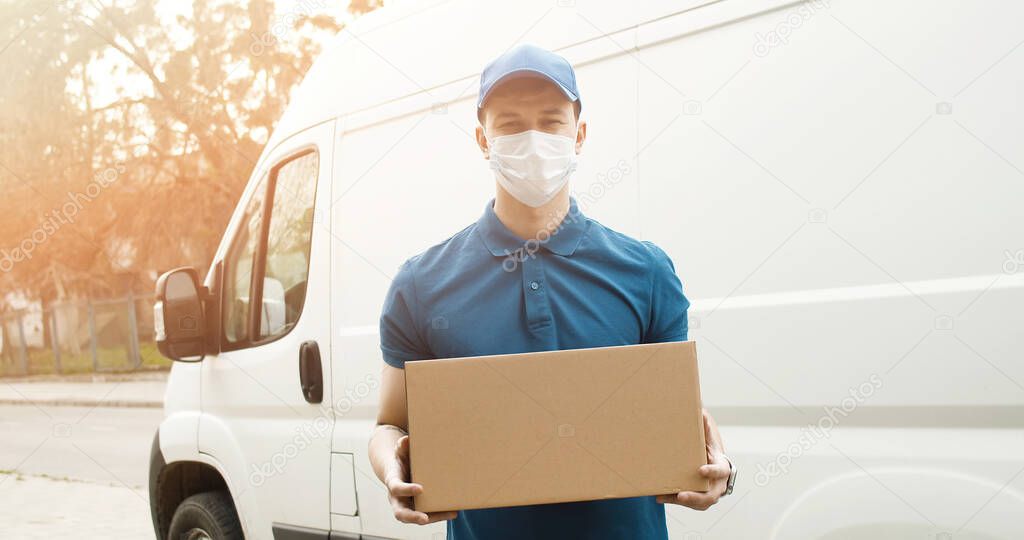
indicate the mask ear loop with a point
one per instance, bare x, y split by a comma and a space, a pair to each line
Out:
576, 134
490, 145
575, 162
492, 162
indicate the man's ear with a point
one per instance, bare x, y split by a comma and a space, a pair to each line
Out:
581, 135
481, 141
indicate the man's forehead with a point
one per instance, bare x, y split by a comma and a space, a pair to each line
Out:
512, 113
525, 87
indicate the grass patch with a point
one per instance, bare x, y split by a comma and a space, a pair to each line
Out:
108, 359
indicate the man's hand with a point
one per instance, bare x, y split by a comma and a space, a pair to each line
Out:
716, 471
401, 491
389, 451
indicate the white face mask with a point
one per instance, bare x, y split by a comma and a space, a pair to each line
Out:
533, 166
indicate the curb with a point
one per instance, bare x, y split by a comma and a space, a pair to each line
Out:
127, 376
113, 403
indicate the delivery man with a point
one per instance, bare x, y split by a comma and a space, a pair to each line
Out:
531, 274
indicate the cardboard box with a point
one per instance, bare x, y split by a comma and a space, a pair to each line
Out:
559, 426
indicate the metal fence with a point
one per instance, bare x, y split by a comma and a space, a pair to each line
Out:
86, 336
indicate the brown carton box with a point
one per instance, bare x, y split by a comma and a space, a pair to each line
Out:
556, 426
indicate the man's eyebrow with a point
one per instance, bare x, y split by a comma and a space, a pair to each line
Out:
506, 114
553, 110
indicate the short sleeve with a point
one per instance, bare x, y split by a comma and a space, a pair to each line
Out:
668, 303
400, 339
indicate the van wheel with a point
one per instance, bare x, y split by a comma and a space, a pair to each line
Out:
206, 516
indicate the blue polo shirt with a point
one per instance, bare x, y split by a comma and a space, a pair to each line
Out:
485, 291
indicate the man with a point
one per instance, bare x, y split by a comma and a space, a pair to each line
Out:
531, 274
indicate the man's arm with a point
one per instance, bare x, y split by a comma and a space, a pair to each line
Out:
389, 450
669, 323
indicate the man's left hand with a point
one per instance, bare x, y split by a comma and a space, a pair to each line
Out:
716, 471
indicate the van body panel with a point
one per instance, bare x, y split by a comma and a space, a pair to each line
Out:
179, 429
179, 436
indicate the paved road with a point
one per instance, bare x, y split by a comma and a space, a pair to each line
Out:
101, 444
132, 390
37, 507
75, 472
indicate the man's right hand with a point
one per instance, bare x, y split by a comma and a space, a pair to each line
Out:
401, 491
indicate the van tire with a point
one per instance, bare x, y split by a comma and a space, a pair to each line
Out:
212, 512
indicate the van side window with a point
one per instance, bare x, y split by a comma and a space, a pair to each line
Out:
288, 242
239, 267
268, 263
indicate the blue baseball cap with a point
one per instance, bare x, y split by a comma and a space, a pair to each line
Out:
529, 59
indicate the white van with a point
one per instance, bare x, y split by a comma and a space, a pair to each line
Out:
839, 184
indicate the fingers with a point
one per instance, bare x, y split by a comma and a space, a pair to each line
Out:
402, 448
397, 475
712, 437
701, 500
397, 484
441, 516
406, 514
714, 471
401, 492
691, 499
398, 488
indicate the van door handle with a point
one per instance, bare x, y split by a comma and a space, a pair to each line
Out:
311, 375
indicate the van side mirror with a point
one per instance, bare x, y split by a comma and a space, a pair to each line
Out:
178, 318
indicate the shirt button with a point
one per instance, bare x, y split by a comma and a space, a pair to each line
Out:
534, 285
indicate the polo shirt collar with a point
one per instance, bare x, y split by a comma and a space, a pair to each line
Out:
502, 242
